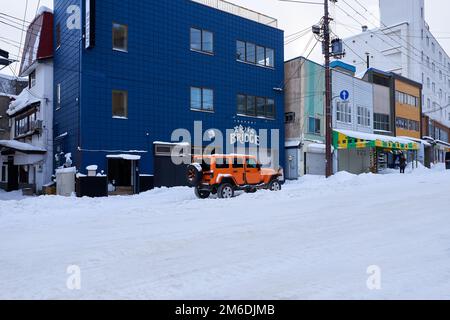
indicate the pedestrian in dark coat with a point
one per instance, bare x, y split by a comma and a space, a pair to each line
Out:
403, 163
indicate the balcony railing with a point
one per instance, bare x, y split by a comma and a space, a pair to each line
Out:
239, 11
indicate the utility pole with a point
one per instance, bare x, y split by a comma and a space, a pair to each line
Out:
328, 93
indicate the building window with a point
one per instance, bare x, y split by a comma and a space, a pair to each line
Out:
202, 41
314, 125
381, 122
363, 116
58, 95
289, 117
250, 53
25, 125
407, 124
255, 106
3, 177
120, 37
240, 50
428, 83
120, 104
255, 54
343, 112
58, 36
428, 104
408, 99
32, 79
202, 99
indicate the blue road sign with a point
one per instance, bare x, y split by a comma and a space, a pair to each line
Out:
345, 95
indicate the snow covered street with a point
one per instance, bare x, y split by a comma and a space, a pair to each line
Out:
313, 240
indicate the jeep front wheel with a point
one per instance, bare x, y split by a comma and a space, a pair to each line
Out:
201, 194
225, 191
274, 185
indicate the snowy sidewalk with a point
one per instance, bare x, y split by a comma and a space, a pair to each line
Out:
314, 239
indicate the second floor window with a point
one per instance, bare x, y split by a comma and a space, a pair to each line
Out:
254, 54
202, 99
120, 37
343, 112
255, 106
363, 116
381, 122
120, 104
25, 125
202, 40
314, 125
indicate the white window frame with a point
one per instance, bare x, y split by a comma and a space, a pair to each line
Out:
126, 40
343, 112
363, 116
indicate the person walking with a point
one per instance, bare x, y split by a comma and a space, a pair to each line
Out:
403, 163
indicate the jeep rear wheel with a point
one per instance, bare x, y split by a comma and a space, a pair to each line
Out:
201, 194
193, 175
225, 191
274, 185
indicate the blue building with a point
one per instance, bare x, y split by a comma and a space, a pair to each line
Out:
128, 73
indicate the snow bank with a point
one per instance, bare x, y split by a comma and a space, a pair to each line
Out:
313, 240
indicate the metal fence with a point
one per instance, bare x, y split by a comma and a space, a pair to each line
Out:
239, 11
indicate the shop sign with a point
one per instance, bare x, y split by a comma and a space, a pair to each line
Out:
244, 135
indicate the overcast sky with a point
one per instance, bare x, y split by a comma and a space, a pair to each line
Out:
291, 18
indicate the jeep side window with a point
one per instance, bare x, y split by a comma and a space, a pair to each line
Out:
251, 164
238, 163
222, 163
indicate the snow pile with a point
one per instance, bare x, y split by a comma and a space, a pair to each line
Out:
313, 240
24, 99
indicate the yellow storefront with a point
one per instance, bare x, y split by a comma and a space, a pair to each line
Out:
369, 152
408, 108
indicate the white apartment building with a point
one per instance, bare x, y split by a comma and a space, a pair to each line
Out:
26, 157
405, 45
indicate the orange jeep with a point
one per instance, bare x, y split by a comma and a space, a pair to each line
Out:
224, 174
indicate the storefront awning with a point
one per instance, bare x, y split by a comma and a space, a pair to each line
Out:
21, 147
346, 139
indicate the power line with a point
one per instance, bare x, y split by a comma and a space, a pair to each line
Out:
21, 37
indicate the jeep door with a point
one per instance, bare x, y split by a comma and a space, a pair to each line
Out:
252, 171
238, 170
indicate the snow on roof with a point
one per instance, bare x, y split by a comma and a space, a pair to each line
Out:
317, 148
8, 77
421, 141
92, 168
2, 94
23, 100
292, 144
20, 146
124, 156
172, 143
67, 170
372, 136
43, 9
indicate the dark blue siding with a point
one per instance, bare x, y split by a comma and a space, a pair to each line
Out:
157, 72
